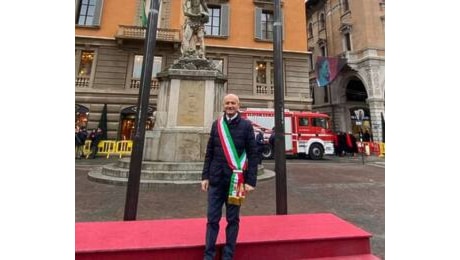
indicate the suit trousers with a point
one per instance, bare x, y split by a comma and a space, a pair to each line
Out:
217, 197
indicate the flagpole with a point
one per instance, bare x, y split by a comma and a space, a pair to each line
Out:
132, 192
280, 143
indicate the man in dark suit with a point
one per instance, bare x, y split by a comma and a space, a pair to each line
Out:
260, 141
221, 161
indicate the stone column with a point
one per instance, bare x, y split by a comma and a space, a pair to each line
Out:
376, 107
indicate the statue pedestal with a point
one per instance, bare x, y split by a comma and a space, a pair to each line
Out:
188, 102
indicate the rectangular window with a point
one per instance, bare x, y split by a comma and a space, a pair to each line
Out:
303, 121
86, 63
312, 64
263, 24
85, 67
323, 51
264, 77
137, 70
347, 39
312, 93
213, 26
324, 54
320, 122
322, 21
267, 25
326, 94
346, 6
88, 12
218, 20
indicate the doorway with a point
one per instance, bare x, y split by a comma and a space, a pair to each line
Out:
128, 120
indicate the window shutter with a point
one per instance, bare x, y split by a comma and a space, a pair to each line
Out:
98, 13
224, 21
77, 10
257, 21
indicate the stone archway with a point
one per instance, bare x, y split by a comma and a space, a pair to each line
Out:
355, 100
355, 91
350, 92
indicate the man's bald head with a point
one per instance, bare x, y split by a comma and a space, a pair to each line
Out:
232, 96
231, 104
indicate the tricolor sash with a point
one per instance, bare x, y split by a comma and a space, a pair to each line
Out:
235, 162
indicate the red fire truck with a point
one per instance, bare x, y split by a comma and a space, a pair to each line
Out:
306, 133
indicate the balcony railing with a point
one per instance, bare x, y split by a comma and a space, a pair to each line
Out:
82, 82
154, 85
264, 89
137, 32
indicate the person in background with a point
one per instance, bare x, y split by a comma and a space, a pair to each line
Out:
336, 143
349, 143
231, 141
367, 136
77, 142
271, 140
82, 135
260, 143
96, 138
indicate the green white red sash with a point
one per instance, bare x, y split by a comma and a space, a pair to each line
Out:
235, 162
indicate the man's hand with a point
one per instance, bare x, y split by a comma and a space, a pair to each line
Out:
248, 188
204, 185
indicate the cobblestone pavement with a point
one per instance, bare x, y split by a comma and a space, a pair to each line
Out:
345, 187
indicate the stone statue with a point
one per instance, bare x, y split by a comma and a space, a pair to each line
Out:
196, 15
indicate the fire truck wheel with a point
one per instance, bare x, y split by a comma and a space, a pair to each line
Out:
316, 152
268, 152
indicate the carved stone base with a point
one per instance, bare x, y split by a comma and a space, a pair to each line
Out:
193, 62
175, 145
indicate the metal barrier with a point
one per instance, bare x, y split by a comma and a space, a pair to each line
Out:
124, 147
87, 147
106, 147
110, 147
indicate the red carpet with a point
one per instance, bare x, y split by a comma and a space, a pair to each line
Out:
305, 236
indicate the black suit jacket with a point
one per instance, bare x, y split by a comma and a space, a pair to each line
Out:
216, 168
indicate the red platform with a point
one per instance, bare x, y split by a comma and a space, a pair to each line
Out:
305, 236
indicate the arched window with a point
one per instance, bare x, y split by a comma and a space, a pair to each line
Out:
322, 21
310, 30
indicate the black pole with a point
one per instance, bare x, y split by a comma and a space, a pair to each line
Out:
280, 154
132, 193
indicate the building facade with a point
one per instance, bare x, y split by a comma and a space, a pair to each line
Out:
353, 30
109, 43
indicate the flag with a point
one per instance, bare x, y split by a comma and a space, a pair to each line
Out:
327, 69
145, 12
